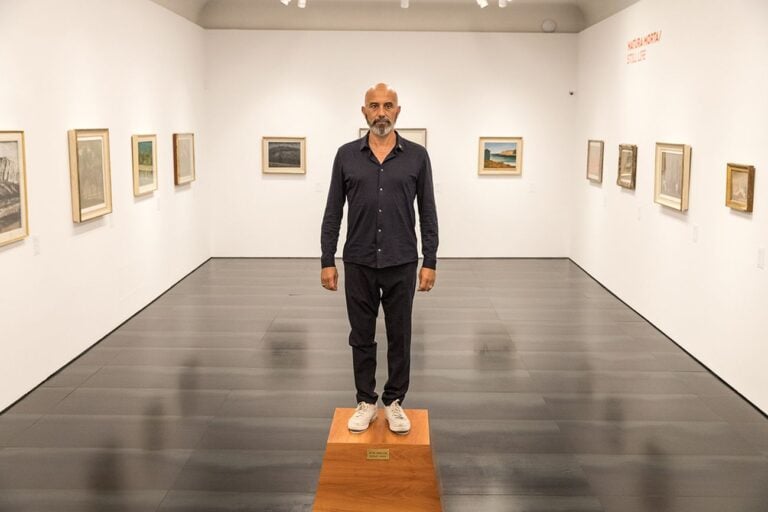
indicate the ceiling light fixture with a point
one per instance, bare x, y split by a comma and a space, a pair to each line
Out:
301, 3
285, 2
404, 4
482, 3
502, 3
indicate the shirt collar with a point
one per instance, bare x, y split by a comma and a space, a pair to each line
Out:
398, 143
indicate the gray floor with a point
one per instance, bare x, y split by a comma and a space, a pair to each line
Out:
545, 393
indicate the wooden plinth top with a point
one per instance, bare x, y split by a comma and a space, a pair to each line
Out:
378, 433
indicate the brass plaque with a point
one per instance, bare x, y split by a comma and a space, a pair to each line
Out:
378, 454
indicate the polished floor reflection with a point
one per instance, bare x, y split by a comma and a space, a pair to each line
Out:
546, 394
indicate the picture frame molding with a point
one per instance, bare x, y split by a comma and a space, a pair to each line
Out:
15, 235
267, 169
138, 190
736, 205
78, 215
516, 171
685, 179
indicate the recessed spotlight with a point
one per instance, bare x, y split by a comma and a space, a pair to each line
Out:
482, 3
301, 3
502, 3
404, 4
548, 26
285, 2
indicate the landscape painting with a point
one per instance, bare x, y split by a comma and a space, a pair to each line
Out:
500, 155
283, 155
13, 190
672, 176
90, 176
183, 158
144, 164
740, 187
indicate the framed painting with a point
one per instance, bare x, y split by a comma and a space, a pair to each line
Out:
284, 155
595, 160
417, 135
673, 175
183, 158
13, 188
90, 174
740, 187
627, 166
500, 155
144, 149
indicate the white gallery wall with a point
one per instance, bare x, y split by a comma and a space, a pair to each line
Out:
456, 85
694, 275
129, 66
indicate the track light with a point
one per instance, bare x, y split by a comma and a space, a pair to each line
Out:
404, 4
302, 4
482, 3
285, 2
502, 3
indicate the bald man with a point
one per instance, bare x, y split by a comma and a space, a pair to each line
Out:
380, 176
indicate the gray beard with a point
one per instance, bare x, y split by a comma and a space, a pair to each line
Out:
381, 129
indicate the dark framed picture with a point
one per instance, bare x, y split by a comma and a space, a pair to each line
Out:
627, 166
740, 187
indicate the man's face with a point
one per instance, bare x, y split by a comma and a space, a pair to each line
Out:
381, 110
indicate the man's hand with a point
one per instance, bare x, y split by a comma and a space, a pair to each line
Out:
329, 278
426, 279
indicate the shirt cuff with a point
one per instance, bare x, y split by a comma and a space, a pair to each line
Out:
327, 261
430, 263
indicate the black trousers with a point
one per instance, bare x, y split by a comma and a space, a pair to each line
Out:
393, 288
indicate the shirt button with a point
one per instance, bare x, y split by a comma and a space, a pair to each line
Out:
379, 210
381, 170
379, 230
378, 250
380, 189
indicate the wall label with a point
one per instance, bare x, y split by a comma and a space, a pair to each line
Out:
636, 47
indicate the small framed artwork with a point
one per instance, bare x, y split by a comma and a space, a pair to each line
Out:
740, 187
595, 160
13, 188
500, 155
90, 174
627, 166
284, 155
144, 149
673, 175
183, 158
417, 135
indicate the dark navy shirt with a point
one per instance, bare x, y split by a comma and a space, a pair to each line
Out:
381, 219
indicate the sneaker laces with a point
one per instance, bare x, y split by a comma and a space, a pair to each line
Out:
396, 410
361, 407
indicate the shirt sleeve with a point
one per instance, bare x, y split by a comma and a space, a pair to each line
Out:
334, 211
425, 195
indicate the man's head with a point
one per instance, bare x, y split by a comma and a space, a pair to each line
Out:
381, 109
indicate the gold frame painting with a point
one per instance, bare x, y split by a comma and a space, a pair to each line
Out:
595, 152
672, 176
90, 174
144, 151
14, 223
500, 156
183, 158
740, 187
284, 155
625, 177
417, 135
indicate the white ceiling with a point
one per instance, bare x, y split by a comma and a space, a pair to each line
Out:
423, 15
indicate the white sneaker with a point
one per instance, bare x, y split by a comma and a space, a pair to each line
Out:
398, 421
362, 418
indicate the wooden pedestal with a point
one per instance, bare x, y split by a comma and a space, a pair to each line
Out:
378, 471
